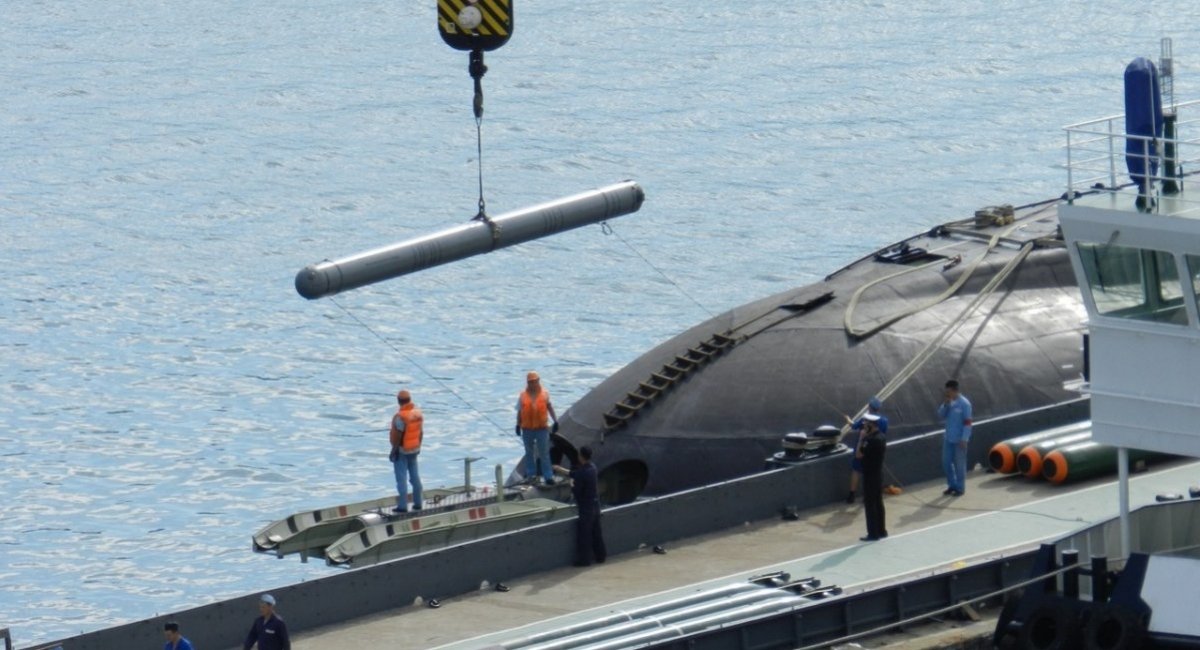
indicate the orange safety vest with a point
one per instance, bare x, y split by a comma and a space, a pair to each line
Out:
408, 440
535, 413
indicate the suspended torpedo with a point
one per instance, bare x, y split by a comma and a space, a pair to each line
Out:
476, 26
474, 238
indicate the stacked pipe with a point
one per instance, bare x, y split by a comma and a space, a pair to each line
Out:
1004, 455
1087, 459
1060, 455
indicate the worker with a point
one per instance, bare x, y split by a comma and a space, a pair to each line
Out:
534, 414
407, 432
871, 450
874, 406
175, 640
268, 629
589, 539
955, 412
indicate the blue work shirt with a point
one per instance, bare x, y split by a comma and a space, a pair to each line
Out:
957, 416
183, 644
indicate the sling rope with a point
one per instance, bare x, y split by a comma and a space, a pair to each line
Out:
848, 319
933, 346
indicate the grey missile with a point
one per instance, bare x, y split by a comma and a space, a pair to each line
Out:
477, 237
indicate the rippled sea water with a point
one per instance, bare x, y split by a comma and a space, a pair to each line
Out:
167, 167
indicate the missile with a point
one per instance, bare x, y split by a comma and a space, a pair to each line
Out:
475, 238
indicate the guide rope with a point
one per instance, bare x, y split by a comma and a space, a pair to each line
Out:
418, 366
607, 229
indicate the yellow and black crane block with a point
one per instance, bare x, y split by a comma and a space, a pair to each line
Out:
475, 25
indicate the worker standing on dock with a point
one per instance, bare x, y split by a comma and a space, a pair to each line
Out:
955, 411
871, 450
268, 630
874, 406
589, 539
175, 640
407, 432
534, 413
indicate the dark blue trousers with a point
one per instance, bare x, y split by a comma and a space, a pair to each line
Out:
589, 539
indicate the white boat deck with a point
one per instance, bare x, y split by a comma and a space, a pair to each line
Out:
1176, 205
928, 531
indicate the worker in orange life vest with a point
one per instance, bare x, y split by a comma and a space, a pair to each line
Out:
534, 413
407, 431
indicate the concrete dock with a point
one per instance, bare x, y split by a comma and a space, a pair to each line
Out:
927, 530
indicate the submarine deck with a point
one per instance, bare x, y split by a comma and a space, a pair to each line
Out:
928, 531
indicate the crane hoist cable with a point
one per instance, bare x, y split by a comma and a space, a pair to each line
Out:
477, 69
477, 26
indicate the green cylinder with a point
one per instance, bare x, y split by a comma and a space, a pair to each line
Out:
1003, 456
1031, 457
1086, 460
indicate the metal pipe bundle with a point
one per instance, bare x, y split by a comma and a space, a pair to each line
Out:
474, 238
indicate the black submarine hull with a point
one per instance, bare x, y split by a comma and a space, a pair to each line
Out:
713, 402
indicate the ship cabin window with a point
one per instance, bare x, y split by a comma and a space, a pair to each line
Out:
1134, 283
1193, 264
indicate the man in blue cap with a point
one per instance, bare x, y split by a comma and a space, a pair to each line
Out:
874, 407
268, 630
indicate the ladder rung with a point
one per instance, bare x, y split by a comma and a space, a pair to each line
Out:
631, 407
666, 378
612, 421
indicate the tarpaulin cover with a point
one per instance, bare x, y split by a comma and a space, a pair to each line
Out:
1143, 117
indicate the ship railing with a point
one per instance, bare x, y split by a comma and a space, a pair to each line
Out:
1097, 161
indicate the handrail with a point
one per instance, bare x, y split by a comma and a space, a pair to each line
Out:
1121, 116
1096, 163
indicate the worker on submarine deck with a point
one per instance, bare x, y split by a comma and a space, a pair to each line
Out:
534, 413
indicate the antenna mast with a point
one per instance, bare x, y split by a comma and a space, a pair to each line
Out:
1166, 78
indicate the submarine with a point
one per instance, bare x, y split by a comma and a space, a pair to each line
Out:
989, 300
712, 402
